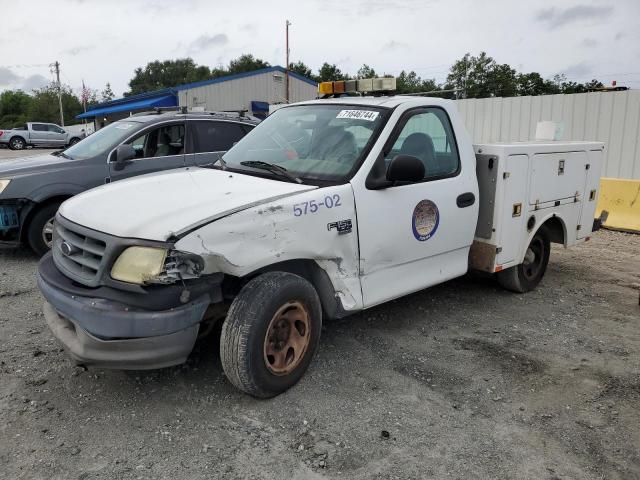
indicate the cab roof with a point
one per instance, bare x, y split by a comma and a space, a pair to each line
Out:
387, 101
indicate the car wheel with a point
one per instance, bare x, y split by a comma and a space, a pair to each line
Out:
17, 143
526, 276
73, 141
40, 229
271, 333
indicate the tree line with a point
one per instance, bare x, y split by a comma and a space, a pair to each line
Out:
469, 77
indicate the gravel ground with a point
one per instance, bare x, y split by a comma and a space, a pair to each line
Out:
463, 380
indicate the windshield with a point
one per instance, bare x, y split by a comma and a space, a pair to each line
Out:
323, 142
103, 141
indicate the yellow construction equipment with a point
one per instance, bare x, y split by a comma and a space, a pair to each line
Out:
621, 199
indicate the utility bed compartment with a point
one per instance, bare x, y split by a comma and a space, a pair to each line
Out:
523, 185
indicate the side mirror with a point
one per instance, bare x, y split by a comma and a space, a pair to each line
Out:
405, 168
123, 154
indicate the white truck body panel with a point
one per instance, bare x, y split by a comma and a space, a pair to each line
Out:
543, 180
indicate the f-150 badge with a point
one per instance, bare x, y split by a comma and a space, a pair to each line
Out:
425, 220
342, 226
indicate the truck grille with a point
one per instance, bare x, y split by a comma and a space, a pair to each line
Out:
80, 253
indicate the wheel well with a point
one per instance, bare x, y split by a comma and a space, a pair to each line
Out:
555, 227
305, 268
35, 209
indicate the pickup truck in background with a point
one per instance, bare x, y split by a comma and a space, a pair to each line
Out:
36, 134
326, 208
32, 188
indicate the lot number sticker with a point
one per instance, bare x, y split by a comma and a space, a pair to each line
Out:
368, 115
425, 220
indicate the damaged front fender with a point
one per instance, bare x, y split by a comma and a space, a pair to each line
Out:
318, 225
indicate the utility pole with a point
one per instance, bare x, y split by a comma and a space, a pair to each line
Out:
287, 67
56, 67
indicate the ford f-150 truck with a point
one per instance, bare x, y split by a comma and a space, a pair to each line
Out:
326, 208
36, 134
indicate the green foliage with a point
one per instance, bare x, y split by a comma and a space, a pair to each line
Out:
366, 71
157, 75
330, 72
246, 63
44, 106
107, 94
412, 83
13, 108
301, 68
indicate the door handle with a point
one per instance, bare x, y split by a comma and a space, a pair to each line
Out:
466, 200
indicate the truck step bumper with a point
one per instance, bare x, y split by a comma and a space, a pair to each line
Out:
126, 354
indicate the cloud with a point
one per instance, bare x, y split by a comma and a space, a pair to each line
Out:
7, 77
392, 46
589, 42
77, 50
577, 71
248, 27
34, 81
204, 42
620, 36
555, 17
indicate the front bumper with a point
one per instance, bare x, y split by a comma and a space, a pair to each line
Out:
112, 334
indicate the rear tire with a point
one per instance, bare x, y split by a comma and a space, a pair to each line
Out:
40, 229
17, 143
526, 276
270, 334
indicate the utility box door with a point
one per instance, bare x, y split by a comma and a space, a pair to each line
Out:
589, 196
513, 209
556, 176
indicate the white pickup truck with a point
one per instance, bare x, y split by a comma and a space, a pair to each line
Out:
326, 208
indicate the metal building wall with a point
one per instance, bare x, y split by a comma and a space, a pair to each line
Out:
610, 117
239, 93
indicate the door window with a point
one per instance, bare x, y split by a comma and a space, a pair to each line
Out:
160, 142
428, 136
39, 127
55, 129
215, 136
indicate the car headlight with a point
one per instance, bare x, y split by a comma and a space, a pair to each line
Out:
151, 265
139, 264
4, 183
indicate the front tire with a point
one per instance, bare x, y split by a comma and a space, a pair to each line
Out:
40, 229
17, 143
73, 141
526, 276
270, 334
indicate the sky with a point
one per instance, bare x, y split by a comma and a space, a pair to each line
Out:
104, 41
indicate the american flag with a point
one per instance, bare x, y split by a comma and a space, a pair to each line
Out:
85, 96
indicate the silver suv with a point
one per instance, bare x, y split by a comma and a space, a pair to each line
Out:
32, 189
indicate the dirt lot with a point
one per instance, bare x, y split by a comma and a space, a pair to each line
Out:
460, 381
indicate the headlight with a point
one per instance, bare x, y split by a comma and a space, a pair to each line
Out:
142, 265
139, 264
4, 183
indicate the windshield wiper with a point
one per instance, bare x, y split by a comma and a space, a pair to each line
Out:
271, 167
62, 154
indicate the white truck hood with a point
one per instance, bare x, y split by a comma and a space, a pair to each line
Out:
159, 205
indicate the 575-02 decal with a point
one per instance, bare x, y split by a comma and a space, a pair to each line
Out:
312, 206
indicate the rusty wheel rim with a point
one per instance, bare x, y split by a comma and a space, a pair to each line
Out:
287, 338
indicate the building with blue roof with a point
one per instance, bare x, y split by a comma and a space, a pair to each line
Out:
252, 91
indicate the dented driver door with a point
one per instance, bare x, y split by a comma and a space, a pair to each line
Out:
416, 235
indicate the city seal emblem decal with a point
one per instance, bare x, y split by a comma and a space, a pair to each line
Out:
425, 220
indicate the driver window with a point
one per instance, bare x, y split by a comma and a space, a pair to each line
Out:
160, 142
428, 136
